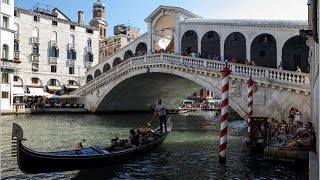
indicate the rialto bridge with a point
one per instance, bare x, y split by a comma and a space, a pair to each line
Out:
125, 82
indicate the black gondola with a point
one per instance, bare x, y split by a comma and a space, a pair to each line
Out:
32, 162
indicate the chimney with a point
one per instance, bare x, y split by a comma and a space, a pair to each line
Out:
80, 17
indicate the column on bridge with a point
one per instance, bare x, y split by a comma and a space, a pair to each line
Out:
222, 49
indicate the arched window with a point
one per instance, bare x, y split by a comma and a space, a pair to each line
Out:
54, 36
89, 44
35, 32
5, 51
35, 49
89, 78
54, 52
106, 67
72, 39
97, 73
16, 46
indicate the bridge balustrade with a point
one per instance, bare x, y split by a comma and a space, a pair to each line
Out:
284, 76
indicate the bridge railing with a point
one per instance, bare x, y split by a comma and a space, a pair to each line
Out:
211, 65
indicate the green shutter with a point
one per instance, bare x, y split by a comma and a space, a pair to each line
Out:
57, 52
91, 58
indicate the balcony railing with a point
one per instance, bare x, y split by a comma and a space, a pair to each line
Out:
35, 40
16, 36
35, 57
54, 43
16, 55
88, 49
88, 64
7, 64
71, 46
71, 62
53, 60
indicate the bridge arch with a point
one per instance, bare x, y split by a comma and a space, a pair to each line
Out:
235, 46
128, 54
89, 78
119, 91
116, 61
141, 49
295, 53
210, 45
189, 42
97, 73
264, 50
106, 67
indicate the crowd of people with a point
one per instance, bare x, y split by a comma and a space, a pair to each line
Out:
290, 134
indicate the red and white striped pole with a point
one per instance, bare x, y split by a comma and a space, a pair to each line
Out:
250, 103
224, 113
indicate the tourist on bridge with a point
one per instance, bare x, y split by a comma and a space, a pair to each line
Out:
161, 111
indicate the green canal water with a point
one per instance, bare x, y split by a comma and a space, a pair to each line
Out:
190, 151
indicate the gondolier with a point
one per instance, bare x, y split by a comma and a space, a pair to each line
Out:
161, 111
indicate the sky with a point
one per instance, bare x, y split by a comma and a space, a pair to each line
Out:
134, 12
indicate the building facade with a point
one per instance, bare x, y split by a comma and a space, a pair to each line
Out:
8, 65
43, 51
123, 35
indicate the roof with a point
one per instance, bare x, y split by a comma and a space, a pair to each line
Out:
50, 17
249, 22
158, 11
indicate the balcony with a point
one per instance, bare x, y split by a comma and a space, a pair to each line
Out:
35, 40
16, 36
53, 43
88, 64
7, 64
71, 46
71, 62
53, 60
35, 57
88, 49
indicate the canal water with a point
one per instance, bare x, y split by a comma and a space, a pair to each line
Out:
190, 151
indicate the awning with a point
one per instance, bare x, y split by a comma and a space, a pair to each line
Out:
71, 87
17, 91
188, 101
36, 91
54, 88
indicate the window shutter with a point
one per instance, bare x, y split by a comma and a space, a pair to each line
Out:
50, 52
68, 55
75, 55
86, 57
57, 52
91, 58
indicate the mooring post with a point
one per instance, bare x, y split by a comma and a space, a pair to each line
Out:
224, 113
250, 103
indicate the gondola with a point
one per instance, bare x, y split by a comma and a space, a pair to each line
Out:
32, 162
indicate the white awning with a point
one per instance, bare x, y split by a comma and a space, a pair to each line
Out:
36, 91
71, 87
54, 88
17, 91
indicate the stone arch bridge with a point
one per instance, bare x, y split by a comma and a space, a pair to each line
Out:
137, 82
